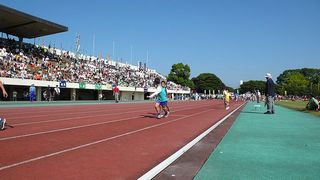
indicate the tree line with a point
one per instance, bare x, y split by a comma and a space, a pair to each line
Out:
295, 82
180, 74
299, 82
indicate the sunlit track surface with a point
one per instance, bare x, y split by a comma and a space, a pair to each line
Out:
99, 141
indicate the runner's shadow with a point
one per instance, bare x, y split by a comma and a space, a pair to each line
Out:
149, 115
6, 126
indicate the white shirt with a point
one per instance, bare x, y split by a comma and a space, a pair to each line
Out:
159, 88
57, 90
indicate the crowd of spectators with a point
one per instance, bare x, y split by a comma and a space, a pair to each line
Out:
50, 64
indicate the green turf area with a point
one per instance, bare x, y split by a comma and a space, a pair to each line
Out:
297, 105
285, 145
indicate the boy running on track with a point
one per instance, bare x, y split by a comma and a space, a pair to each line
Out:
157, 105
163, 85
226, 98
161, 98
4, 93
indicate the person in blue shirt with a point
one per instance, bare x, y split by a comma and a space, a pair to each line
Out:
161, 100
32, 93
164, 105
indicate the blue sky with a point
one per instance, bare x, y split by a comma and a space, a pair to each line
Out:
234, 39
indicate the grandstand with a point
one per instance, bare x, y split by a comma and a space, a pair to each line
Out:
80, 77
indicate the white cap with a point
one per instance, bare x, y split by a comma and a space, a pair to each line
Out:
268, 75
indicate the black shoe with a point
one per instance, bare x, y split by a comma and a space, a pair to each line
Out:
267, 112
272, 112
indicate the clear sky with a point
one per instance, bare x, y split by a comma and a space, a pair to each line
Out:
234, 39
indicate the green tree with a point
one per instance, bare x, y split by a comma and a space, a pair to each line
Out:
230, 89
283, 76
251, 86
311, 75
295, 84
190, 84
180, 74
207, 81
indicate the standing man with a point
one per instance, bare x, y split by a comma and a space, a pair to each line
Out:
48, 93
25, 95
14, 95
56, 93
258, 96
116, 93
4, 94
32, 93
270, 93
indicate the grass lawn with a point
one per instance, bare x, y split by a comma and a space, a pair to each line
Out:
297, 105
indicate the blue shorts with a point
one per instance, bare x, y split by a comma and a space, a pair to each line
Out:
157, 101
164, 103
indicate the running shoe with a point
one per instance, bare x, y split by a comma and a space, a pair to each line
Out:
167, 114
2, 123
159, 116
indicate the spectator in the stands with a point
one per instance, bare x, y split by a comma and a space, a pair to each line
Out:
50, 64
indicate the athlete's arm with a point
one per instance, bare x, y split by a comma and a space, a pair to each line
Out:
4, 92
155, 93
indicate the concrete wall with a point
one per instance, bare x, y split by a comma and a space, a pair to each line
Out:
90, 92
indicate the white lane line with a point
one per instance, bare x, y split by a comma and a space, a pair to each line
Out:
161, 166
97, 142
69, 108
69, 112
31, 111
65, 129
78, 117
81, 117
178, 115
77, 127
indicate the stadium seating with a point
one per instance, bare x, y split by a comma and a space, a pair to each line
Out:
51, 64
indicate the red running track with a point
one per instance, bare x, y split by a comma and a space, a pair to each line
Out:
119, 141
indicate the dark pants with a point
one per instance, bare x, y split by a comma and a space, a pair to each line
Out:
56, 96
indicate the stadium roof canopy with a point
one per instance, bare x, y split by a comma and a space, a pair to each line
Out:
24, 25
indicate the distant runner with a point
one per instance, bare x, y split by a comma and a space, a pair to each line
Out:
226, 98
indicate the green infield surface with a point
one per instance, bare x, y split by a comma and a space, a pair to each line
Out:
285, 145
297, 105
